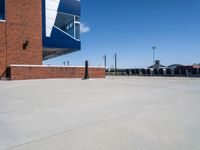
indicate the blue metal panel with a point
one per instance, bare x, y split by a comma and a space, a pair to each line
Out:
57, 39
2, 9
43, 21
70, 7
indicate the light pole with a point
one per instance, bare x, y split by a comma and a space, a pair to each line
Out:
153, 48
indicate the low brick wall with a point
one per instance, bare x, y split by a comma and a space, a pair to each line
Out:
24, 72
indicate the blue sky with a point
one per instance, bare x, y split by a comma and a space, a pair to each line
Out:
131, 27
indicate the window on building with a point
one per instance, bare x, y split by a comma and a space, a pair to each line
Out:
77, 19
77, 27
2, 9
69, 24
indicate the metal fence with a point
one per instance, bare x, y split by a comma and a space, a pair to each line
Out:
193, 72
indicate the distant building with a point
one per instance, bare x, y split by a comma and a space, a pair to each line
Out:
157, 65
174, 66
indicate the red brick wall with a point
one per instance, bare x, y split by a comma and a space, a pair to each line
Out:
2, 48
24, 22
28, 72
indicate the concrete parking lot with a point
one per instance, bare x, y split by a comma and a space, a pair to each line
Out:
116, 113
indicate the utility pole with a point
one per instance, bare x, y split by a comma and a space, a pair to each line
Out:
153, 48
115, 63
105, 60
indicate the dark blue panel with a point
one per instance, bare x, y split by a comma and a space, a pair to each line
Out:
43, 20
2, 9
70, 7
59, 39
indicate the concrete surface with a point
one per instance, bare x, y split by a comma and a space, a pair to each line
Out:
123, 113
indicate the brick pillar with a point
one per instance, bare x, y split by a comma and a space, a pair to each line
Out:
2, 48
24, 31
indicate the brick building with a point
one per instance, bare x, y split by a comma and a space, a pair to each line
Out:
34, 30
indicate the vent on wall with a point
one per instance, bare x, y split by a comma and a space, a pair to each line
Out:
25, 44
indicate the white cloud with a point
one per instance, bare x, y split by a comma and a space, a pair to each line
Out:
84, 28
